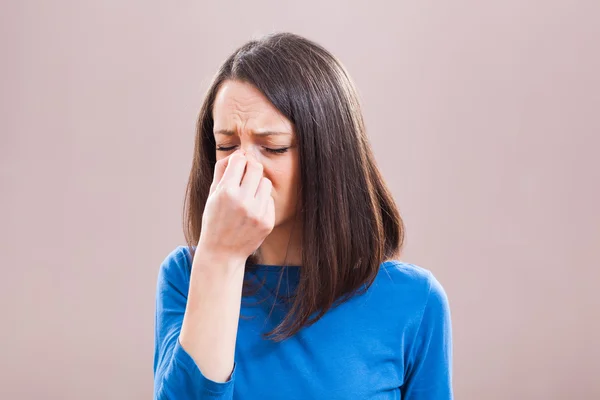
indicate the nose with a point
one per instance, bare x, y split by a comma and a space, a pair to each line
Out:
249, 150
251, 155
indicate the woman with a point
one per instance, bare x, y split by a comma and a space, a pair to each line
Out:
290, 285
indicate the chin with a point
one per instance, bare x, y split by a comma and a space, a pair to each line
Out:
283, 221
279, 223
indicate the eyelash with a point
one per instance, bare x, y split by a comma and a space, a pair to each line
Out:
272, 151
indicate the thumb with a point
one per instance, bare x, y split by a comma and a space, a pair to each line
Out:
270, 214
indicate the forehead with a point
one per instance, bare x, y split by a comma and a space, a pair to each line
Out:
240, 103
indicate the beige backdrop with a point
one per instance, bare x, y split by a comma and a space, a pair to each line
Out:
484, 116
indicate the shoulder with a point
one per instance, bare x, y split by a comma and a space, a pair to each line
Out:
412, 288
400, 275
175, 268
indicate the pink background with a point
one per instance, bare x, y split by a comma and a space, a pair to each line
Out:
484, 117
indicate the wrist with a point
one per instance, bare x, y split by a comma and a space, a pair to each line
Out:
208, 260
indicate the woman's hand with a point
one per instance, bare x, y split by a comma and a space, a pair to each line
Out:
239, 212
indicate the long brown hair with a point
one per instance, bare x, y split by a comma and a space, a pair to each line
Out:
350, 221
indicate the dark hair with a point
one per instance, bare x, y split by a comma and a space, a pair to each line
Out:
350, 220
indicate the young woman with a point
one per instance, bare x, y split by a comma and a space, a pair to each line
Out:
290, 285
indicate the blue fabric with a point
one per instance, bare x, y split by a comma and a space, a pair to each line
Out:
392, 342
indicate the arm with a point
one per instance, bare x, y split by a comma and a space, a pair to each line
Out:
197, 318
429, 366
214, 300
178, 372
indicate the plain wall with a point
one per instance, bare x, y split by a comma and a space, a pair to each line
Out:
484, 117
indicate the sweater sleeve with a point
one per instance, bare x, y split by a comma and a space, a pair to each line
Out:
176, 375
429, 367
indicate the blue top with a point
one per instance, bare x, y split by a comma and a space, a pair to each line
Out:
392, 342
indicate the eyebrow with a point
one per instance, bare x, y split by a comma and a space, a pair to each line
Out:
228, 132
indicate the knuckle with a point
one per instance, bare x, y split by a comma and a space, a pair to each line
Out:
254, 219
227, 193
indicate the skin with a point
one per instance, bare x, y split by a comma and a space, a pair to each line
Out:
245, 119
251, 207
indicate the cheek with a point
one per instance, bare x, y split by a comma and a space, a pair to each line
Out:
285, 188
278, 179
282, 174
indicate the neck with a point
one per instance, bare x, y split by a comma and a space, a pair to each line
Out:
283, 246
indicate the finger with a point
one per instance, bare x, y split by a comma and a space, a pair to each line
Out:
220, 167
235, 170
252, 177
270, 212
263, 193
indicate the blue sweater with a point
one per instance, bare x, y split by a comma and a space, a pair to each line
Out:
392, 342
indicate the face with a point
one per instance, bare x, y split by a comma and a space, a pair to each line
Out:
245, 119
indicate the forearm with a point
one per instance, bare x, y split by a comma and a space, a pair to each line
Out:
211, 317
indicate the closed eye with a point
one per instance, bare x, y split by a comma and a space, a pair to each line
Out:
277, 151
268, 149
224, 148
